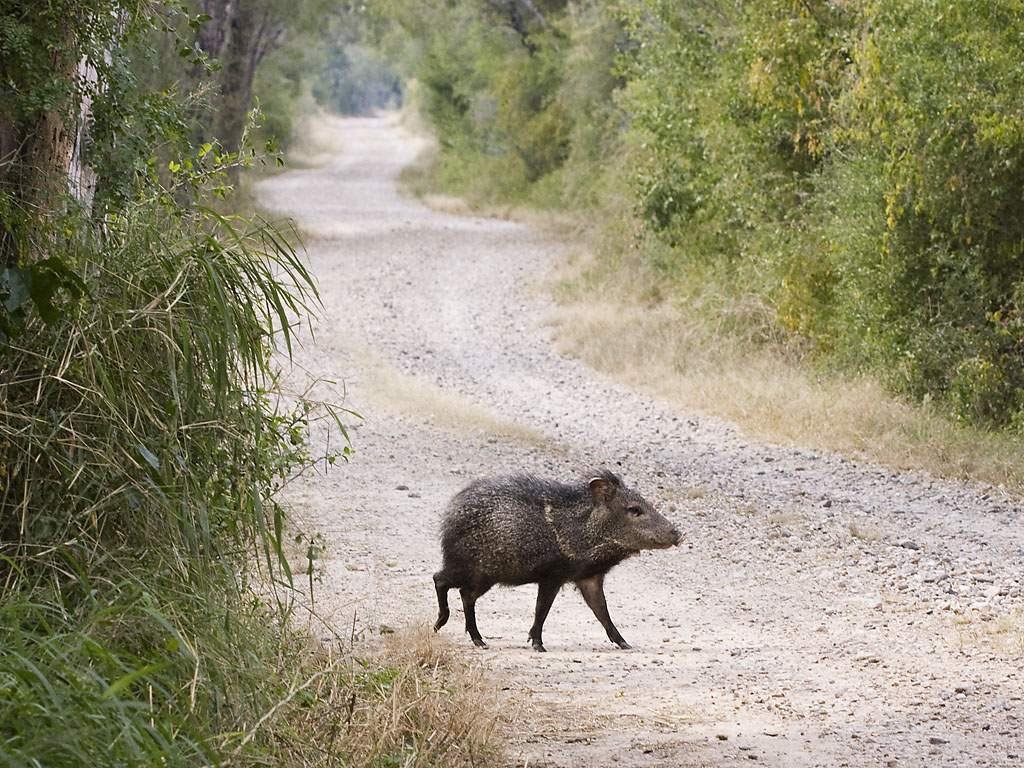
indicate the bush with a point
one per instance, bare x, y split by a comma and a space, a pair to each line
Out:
856, 167
935, 271
491, 91
141, 437
141, 449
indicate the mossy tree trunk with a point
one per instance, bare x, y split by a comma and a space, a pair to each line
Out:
40, 148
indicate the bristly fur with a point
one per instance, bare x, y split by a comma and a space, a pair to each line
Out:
522, 529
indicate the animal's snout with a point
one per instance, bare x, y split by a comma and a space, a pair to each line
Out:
676, 536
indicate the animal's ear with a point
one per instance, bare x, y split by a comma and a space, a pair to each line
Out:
602, 488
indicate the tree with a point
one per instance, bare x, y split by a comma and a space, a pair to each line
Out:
238, 36
53, 59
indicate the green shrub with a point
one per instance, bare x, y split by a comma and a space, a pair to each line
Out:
856, 167
142, 439
140, 449
934, 114
593, 173
491, 94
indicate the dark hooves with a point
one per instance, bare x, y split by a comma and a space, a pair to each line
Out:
623, 645
479, 643
539, 648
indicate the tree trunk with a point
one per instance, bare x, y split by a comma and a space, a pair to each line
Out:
236, 77
248, 32
82, 178
37, 155
214, 33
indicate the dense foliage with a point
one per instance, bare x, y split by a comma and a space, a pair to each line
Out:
356, 79
142, 440
855, 166
490, 89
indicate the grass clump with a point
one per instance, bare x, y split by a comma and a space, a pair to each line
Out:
408, 702
140, 451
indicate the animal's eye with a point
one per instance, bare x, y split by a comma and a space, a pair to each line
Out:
635, 511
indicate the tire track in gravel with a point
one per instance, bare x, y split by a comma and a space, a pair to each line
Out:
820, 612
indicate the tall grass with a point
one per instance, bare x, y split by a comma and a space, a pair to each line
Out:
140, 449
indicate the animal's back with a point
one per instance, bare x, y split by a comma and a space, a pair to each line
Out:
501, 530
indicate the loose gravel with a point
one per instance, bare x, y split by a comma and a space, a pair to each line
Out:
820, 611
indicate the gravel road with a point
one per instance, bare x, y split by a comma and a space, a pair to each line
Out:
820, 611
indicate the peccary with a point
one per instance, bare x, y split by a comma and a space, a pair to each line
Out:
523, 530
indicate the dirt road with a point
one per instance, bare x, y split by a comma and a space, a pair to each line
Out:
820, 612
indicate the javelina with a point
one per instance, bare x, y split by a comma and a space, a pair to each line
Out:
523, 530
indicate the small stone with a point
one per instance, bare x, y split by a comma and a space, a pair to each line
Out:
937, 740
721, 737
401, 487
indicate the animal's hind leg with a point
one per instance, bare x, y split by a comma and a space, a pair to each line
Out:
442, 585
469, 598
546, 594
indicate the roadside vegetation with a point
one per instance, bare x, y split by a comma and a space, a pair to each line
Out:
147, 615
805, 216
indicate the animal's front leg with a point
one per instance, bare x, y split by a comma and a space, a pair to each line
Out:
592, 589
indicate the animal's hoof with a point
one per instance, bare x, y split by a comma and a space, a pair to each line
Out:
479, 643
623, 645
539, 648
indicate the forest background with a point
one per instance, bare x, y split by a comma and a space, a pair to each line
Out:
832, 188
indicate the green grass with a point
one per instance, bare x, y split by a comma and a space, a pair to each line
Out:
140, 449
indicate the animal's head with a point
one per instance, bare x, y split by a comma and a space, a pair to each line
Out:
622, 514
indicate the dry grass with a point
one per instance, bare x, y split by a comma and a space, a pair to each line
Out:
315, 141
419, 179
612, 313
397, 391
784, 519
864, 532
409, 702
1001, 634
